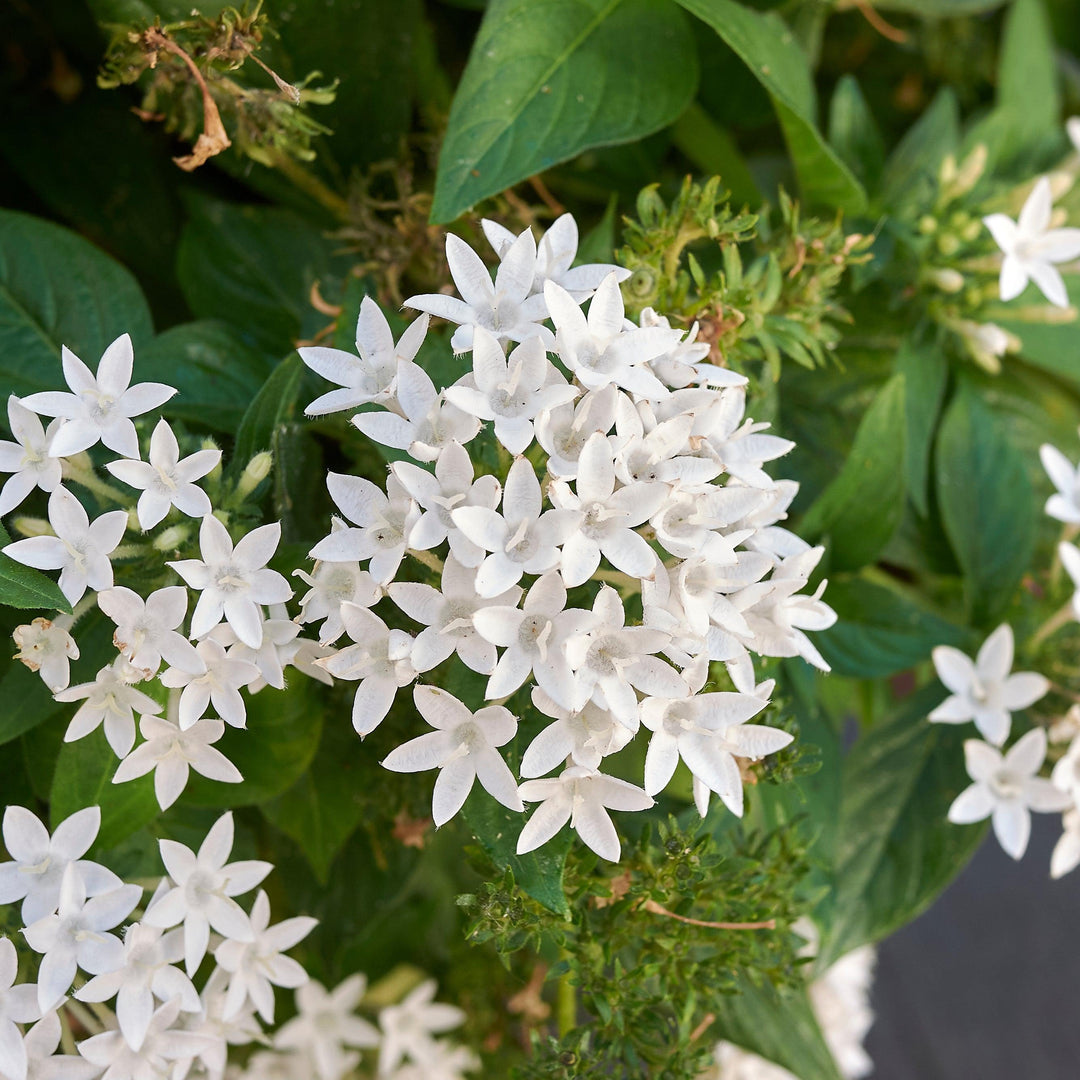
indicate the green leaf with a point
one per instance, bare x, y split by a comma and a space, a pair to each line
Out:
27, 588
896, 849
912, 167
274, 405
940, 9
274, 751
879, 631
1053, 347
216, 372
58, 289
853, 134
547, 79
83, 777
769, 49
986, 502
1027, 78
926, 371
862, 507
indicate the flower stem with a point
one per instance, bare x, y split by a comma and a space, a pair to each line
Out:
566, 1005
87, 479
1052, 625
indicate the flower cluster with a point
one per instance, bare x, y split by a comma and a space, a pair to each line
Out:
629, 538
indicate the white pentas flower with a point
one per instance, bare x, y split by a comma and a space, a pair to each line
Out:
586, 736
984, 691
1070, 559
27, 458
18, 1005
217, 685
41, 1044
1064, 504
80, 549
331, 585
407, 1028
38, 861
146, 629
233, 581
46, 646
1031, 248
462, 748
112, 701
372, 375
564, 430
685, 365
99, 407
1066, 854
166, 480
1007, 788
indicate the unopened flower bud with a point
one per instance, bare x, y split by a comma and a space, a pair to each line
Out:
31, 526
172, 538
947, 172
948, 244
257, 470
947, 279
927, 224
969, 172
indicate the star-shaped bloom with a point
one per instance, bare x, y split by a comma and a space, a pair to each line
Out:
661, 454
99, 407
564, 430
510, 390
43, 1062
38, 861
112, 700
205, 884
47, 646
279, 635
170, 752
371, 376
218, 685
581, 796
506, 309
1064, 504
255, 966
333, 584
1066, 854
984, 691
1070, 559
586, 736
27, 458
77, 936
1031, 247
18, 1005
685, 364
326, 1023
146, 629
233, 581
462, 749
1007, 788
80, 549
166, 480
407, 1027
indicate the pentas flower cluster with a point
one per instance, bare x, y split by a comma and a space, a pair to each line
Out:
624, 551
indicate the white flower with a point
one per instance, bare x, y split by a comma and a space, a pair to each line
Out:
332, 584
38, 862
76, 937
1031, 247
27, 459
683, 365
383, 522
564, 430
586, 736
504, 308
146, 629
510, 390
170, 751
449, 618
233, 581
47, 646
18, 1005
422, 422
1070, 559
166, 480
111, 699
257, 965
984, 691
43, 1062
219, 1034
326, 1023
443, 1061
1066, 855
380, 658
99, 408
1064, 504
145, 973
202, 895
1066, 772
407, 1028
1072, 129
462, 749
270, 658
689, 524
582, 797
663, 454
1007, 788
80, 549
373, 376
219, 685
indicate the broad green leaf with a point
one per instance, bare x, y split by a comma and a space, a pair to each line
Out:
939, 9
1053, 347
1027, 77
912, 167
896, 849
58, 289
711, 148
768, 48
274, 405
926, 371
547, 79
216, 372
860, 510
83, 777
986, 502
853, 134
879, 631
27, 588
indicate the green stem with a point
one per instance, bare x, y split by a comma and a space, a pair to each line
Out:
87, 479
311, 185
1060, 618
566, 1005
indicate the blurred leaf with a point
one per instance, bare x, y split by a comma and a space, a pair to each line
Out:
770, 51
302, 507
711, 149
26, 588
987, 504
912, 167
939, 9
1027, 78
58, 289
274, 405
546, 80
598, 244
926, 371
853, 134
1049, 346
860, 510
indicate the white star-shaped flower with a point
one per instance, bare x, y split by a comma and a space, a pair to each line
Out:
18, 1005
1031, 247
333, 584
1007, 788
564, 430
684, 365
1070, 559
99, 407
1066, 854
586, 736
166, 480
462, 749
407, 1027
218, 685
43, 1062
1064, 504
46, 646
27, 458
80, 549
984, 691
146, 629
